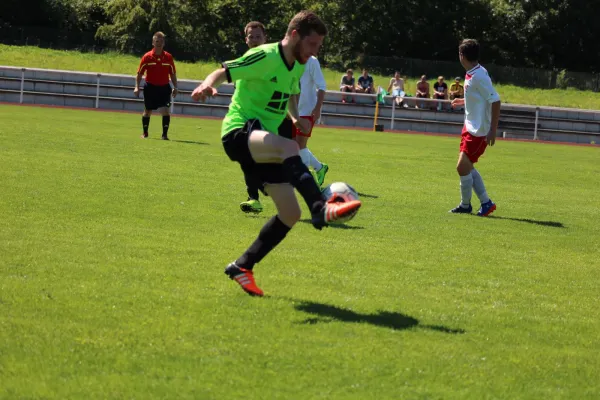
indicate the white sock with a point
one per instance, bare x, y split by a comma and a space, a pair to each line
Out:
316, 164
466, 190
479, 187
305, 156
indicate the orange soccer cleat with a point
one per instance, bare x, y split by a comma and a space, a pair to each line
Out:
245, 278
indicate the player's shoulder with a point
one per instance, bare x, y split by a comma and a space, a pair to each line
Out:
261, 52
270, 49
313, 62
168, 55
480, 72
148, 54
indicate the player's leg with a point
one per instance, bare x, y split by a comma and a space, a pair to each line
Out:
252, 205
165, 109
487, 205
308, 157
305, 153
471, 148
474, 147
464, 167
149, 106
479, 186
271, 234
166, 121
269, 148
146, 122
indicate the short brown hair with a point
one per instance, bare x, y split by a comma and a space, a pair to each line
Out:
306, 22
255, 24
349, 71
469, 48
158, 34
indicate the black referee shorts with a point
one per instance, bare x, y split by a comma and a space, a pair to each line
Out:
156, 97
256, 174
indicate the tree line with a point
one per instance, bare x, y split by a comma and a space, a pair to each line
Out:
544, 34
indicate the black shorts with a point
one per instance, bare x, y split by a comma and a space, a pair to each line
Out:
156, 97
257, 175
286, 129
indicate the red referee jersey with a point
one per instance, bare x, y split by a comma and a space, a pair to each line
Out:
158, 68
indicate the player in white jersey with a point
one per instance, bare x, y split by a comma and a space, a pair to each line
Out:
312, 95
482, 111
255, 36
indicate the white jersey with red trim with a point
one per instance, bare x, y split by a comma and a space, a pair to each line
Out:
311, 81
479, 96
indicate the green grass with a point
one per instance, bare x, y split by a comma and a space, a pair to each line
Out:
34, 57
113, 248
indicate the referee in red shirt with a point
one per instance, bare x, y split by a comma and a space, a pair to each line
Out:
158, 65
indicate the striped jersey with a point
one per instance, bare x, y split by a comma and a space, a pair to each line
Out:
264, 84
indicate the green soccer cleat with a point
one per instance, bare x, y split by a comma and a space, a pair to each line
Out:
251, 206
314, 175
321, 174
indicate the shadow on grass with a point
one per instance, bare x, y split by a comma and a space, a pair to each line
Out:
327, 313
529, 221
189, 142
334, 226
181, 141
368, 196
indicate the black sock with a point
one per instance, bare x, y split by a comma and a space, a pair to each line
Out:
166, 122
252, 192
270, 236
302, 180
145, 123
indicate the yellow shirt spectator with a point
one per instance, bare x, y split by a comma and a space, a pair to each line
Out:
457, 91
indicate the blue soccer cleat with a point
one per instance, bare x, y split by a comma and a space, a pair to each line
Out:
486, 209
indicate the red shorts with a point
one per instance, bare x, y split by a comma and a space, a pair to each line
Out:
298, 132
472, 146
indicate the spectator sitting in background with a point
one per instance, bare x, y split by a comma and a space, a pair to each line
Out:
347, 85
365, 83
440, 91
396, 88
457, 91
422, 90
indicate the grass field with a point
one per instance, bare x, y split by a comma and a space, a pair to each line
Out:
125, 64
113, 248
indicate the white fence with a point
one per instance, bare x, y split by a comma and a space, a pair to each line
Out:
113, 91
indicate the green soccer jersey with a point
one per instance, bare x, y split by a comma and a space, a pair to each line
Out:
264, 83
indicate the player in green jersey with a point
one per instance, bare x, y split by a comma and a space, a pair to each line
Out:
268, 78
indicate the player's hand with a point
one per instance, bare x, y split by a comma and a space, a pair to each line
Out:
457, 103
303, 125
201, 93
491, 138
174, 92
136, 92
316, 114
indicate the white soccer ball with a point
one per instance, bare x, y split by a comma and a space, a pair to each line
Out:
341, 192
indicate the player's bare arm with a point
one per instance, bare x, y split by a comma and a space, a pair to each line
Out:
458, 103
208, 88
136, 89
491, 136
300, 123
174, 80
316, 113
